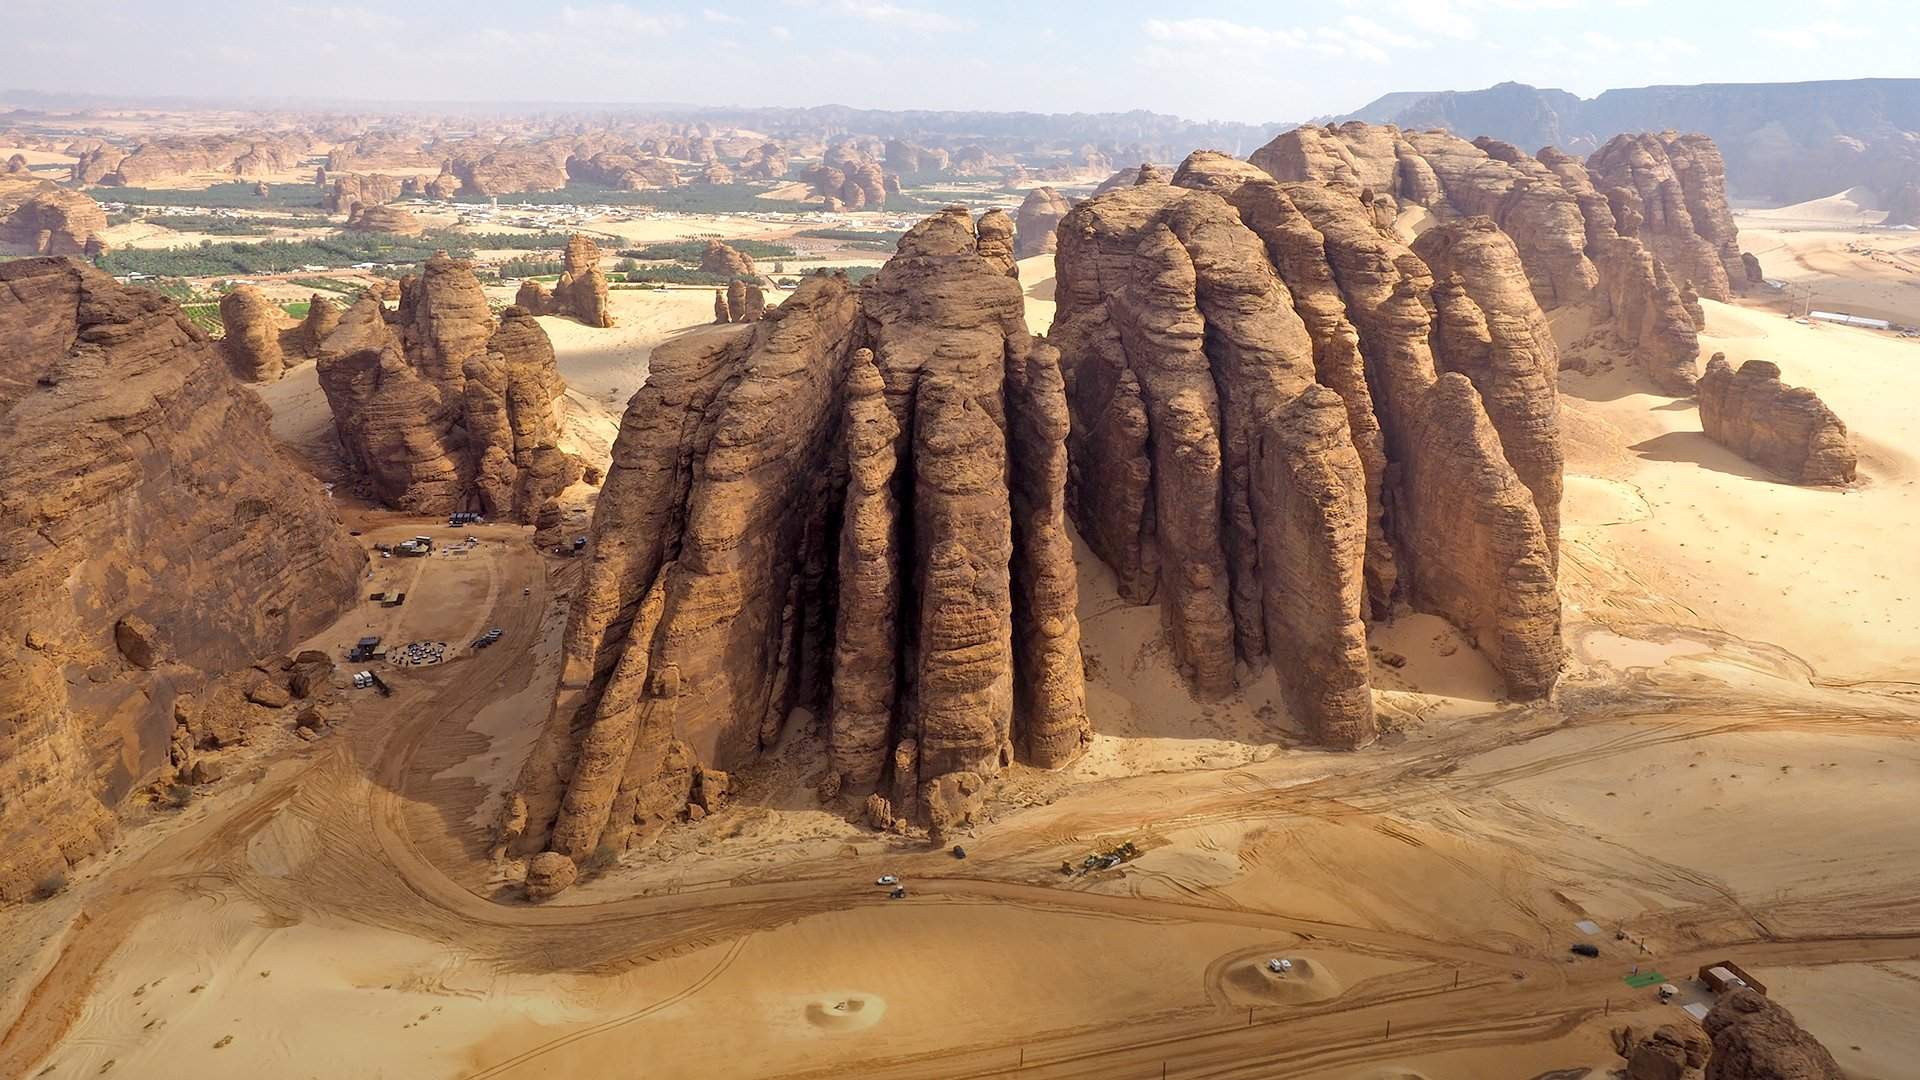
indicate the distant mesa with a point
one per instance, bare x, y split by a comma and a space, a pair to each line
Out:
1786, 429
438, 408
384, 219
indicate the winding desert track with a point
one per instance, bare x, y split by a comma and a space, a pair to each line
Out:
359, 794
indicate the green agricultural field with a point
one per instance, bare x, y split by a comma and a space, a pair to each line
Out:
298, 309
342, 249
236, 195
690, 251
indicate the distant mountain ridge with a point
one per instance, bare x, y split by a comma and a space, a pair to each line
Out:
1783, 142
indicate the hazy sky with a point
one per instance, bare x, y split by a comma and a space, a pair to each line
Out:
1232, 59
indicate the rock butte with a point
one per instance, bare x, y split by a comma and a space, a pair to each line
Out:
123, 438
438, 408
581, 291
1285, 421
57, 222
909, 433
1623, 232
256, 347
1784, 428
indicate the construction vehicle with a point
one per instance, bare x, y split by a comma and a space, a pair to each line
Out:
365, 649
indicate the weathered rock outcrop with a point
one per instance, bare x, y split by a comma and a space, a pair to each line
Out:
726, 261
1039, 215
252, 335
384, 219
369, 189
150, 538
1668, 1052
440, 410
1756, 1039
1577, 245
909, 433
57, 222
1283, 419
17, 165
509, 169
582, 289
1680, 186
626, 172
764, 162
1786, 429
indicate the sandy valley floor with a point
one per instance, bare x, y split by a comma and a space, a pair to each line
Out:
1729, 770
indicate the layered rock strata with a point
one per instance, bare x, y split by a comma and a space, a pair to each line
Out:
851, 509
581, 291
150, 539
438, 408
1786, 429
1577, 226
1284, 420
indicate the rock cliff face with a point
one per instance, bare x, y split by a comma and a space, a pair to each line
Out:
1679, 187
1039, 215
851, 509
439, 409
1284, 420
1755, 1039
57, 223
1577, 245
150, 537
1783, 428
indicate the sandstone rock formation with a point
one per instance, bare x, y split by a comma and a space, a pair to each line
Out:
1285, 420
1756, 1039
625, 171
441, 410
738, 302
716, 174
1786, 429
1039, 215
726, 261
1578, 245
582, 289
17, 165
487, 169
384, 219
371, 189
57, 222
910, 433
150, 538
252, 335
1679, 185
764, 162
1668, 1052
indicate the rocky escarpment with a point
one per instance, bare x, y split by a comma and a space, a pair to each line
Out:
1285, 421
1039, 215
849, 510
57, 222
1676, 185
150, 538
368, 189
1578, 245
581, 291
1786, 429
439, 409
1756, 1039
